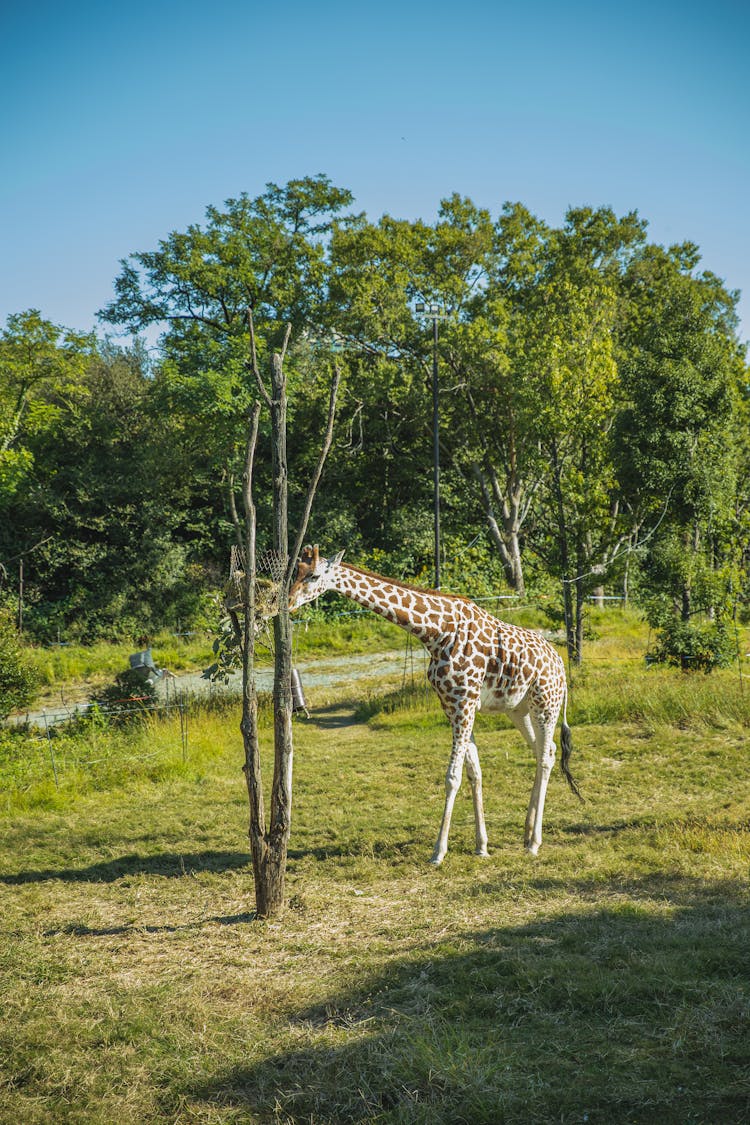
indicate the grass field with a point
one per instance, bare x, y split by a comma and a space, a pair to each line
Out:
605, 981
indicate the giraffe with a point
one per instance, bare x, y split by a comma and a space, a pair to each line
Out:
476, 661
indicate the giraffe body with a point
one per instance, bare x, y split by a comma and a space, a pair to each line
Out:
475, 661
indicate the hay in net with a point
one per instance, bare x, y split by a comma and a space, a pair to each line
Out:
270, 567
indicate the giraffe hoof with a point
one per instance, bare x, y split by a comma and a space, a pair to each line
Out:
436, 860
532, 848
482, 853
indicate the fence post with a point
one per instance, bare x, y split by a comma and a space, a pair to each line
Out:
51, 751
183, 725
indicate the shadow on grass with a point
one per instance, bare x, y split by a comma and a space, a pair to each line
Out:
581, 828
169, 865
79, 930
173, 865
636, 1011
334, 716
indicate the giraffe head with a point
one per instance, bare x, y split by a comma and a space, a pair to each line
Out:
314, 576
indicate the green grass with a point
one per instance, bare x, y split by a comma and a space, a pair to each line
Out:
74, 666
605, 981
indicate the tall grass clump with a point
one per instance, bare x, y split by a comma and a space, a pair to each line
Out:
97, 752
660, 696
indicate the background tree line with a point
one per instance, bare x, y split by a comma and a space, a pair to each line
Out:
594, 416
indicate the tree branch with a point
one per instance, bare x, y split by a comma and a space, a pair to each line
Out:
235, 515
254, 361
285, 345
313, 486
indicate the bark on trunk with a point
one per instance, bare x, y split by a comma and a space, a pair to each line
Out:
580, 607
249, 721
504, 527
271, 876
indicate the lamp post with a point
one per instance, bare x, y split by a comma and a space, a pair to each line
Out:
433, 311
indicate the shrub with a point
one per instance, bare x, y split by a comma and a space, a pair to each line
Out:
18, 681
129, 698
694, 646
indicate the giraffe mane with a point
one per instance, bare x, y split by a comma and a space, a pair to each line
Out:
405, 585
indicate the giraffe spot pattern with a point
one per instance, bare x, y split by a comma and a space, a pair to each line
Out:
475, 660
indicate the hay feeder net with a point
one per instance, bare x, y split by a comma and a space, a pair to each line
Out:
270, 567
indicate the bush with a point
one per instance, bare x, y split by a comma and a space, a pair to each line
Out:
694, 646
128, 699
18, 680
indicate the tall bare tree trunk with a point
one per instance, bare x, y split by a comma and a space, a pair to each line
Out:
504, 523
249, 722
562, 533
269, 847
281, 793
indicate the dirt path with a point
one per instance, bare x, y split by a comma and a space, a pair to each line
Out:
318, 672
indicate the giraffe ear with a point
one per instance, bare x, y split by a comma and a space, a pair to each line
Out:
336, 559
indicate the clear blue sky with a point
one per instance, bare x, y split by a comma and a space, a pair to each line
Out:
120, 123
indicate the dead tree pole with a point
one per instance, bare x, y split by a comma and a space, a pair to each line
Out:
269, 846
249, 721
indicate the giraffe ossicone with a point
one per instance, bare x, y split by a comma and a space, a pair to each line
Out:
476, 661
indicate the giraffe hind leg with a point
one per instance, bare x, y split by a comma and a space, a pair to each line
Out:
533, 732
452, 784
474, 771
462, 723
544, 764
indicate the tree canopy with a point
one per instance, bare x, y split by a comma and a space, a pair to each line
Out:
594, 424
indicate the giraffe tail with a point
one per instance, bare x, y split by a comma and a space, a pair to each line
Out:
566, 743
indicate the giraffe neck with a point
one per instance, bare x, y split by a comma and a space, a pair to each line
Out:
425, 613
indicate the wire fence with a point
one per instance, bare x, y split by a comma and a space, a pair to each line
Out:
69, 710
42, 726
177, 700
60, 733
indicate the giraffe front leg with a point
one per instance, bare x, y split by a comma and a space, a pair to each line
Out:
452, 783
474, 770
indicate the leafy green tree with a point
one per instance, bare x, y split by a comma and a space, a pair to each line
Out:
570, 331
107, 558
41, 372
679, 436
527, 347
536, 391
493, 411
741, 522
380, 272
265, 256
